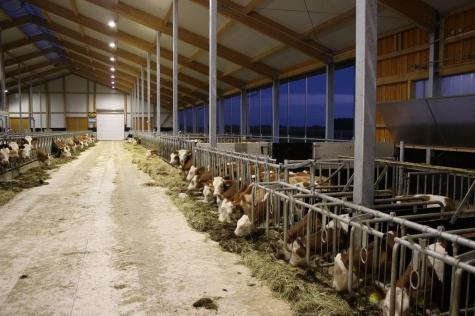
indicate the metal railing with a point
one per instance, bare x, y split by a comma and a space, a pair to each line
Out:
398, 239
42, 140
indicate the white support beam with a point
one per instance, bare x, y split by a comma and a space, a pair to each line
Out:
132, 107
175, 67
158, 118
275, 111
20, 118
3, 105
30, 105
137, 116
330, 102
149, 119
365, 101
213, 13
142, 103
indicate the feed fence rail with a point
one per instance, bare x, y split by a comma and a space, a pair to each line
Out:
42, 140
383, 246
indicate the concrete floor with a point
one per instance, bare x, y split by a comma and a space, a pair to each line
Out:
97, 241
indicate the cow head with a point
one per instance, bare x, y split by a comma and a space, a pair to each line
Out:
4, 156
225, 210
218, 185
184, 155
297, 258
340, 272
25, 151
28, 139
402, 302
243, 226
207, 194
191, 173
65, 152
194, 183
174, 160
283, 250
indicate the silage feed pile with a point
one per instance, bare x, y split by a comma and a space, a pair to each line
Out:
257, 253
32, 178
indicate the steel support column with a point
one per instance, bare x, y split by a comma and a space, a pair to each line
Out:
330, 102
142, 103
132, 109
365, 101
175, 67
20, 118
149, 121
213, 13
158, 118
3, 85
30, 105
275, 111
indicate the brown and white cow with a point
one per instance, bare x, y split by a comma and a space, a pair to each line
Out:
4, 155
298, 229
250, 220
43, 156
404, 297
180, 157
201, 178
361, 269
14, 151
25, 151
150, 153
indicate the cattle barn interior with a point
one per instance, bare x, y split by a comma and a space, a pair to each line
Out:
237, 157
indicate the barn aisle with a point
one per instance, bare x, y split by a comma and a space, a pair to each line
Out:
97, 240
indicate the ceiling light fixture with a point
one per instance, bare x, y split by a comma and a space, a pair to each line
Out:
6, 91
112, 45
113, 82
112, 24
112, 76
112, 59
112, 69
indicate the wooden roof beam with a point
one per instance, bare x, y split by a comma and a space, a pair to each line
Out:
43, 78
417, 11
133, 40
117, 52
271, 29
154, 22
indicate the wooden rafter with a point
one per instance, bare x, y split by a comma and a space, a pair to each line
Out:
154, 22
122, 36
418, 11
271, 29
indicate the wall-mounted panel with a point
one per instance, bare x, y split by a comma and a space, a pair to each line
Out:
110, 102
76, 103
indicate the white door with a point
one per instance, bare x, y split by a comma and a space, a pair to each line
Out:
110, 126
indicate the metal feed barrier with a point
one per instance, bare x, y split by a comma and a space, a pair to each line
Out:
374, 259
43, 141
397, 237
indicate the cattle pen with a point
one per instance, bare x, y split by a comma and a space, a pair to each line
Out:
237, 157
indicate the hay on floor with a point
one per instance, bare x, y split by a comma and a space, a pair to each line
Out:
257, 253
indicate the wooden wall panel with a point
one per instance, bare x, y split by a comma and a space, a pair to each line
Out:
15, 123
76, 123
